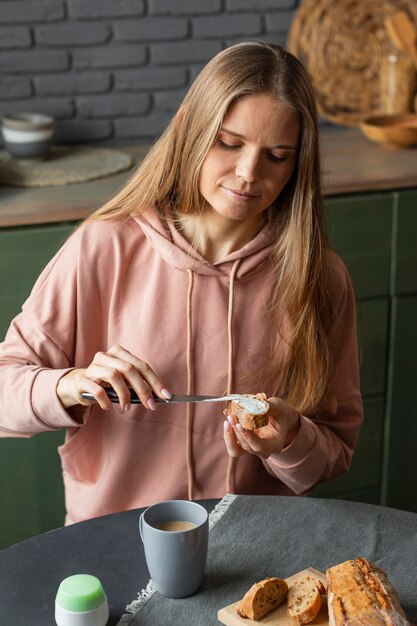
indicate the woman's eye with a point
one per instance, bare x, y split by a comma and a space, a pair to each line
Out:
277, 159
227, 146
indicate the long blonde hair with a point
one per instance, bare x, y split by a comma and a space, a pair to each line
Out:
168, 177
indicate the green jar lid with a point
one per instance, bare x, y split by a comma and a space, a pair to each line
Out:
81, 592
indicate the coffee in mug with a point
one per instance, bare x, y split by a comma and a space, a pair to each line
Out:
175, 525
175, 539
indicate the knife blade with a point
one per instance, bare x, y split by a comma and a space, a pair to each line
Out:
176, 398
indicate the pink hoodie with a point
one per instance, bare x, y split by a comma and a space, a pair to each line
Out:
136, 282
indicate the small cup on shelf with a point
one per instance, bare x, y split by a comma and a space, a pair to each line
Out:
28, 135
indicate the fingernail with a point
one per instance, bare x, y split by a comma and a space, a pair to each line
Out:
230, 420
167, 394
226, 427
240, 428
126, 407
151, 404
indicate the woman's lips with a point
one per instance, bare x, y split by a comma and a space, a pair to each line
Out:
239, 195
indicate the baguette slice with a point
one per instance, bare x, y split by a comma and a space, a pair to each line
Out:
250, 409
305, 599
263, 597
359, 592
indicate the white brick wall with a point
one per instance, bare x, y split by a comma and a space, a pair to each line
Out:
116, 70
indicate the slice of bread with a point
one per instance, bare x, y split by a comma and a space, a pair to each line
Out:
304, 599
251, 410
263, 597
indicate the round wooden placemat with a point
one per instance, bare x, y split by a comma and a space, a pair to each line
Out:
63, 166
342, 44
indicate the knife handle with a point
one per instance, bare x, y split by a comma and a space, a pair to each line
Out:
115, 398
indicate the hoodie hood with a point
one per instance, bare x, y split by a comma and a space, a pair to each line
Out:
175, 250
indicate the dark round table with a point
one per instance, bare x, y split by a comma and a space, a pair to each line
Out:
254, 537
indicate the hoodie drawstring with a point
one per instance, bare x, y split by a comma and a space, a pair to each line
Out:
190, 386
231, 460
190, 378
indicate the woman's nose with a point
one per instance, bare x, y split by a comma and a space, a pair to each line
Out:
248, 167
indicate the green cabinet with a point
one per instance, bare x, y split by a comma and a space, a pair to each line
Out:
24, 252
399, 477
374, 234
360, 229
404, 268
31, 490
400, 473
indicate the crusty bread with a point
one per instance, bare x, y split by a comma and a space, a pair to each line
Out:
262, 598
249, 420
359, 593
305, 599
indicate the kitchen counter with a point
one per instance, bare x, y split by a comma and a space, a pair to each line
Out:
23, 206
354, 164
351, 164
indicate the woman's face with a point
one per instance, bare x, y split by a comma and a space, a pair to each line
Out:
252, 158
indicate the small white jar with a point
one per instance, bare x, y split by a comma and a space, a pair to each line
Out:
81, 601
28, 135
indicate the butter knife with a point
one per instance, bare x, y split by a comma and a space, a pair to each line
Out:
175, 398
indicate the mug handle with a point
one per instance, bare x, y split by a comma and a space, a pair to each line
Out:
141, 526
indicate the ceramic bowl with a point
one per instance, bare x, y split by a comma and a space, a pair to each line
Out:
28, 135
392, 131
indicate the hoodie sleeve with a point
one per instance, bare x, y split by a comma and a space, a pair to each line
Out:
324, 445
38, 349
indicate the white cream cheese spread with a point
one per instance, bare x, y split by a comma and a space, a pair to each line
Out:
250, 404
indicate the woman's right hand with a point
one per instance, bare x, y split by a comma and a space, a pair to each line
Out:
120, 369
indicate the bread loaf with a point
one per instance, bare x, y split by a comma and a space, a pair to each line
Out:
263, 597
305, 598
251, 410
359, 593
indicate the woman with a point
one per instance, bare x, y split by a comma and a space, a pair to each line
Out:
209, 273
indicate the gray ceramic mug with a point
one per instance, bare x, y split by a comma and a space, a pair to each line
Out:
176, 559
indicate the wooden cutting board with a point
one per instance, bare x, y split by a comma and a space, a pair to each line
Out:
278, 617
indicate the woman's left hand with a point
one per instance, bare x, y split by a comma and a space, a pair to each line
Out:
284, 422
